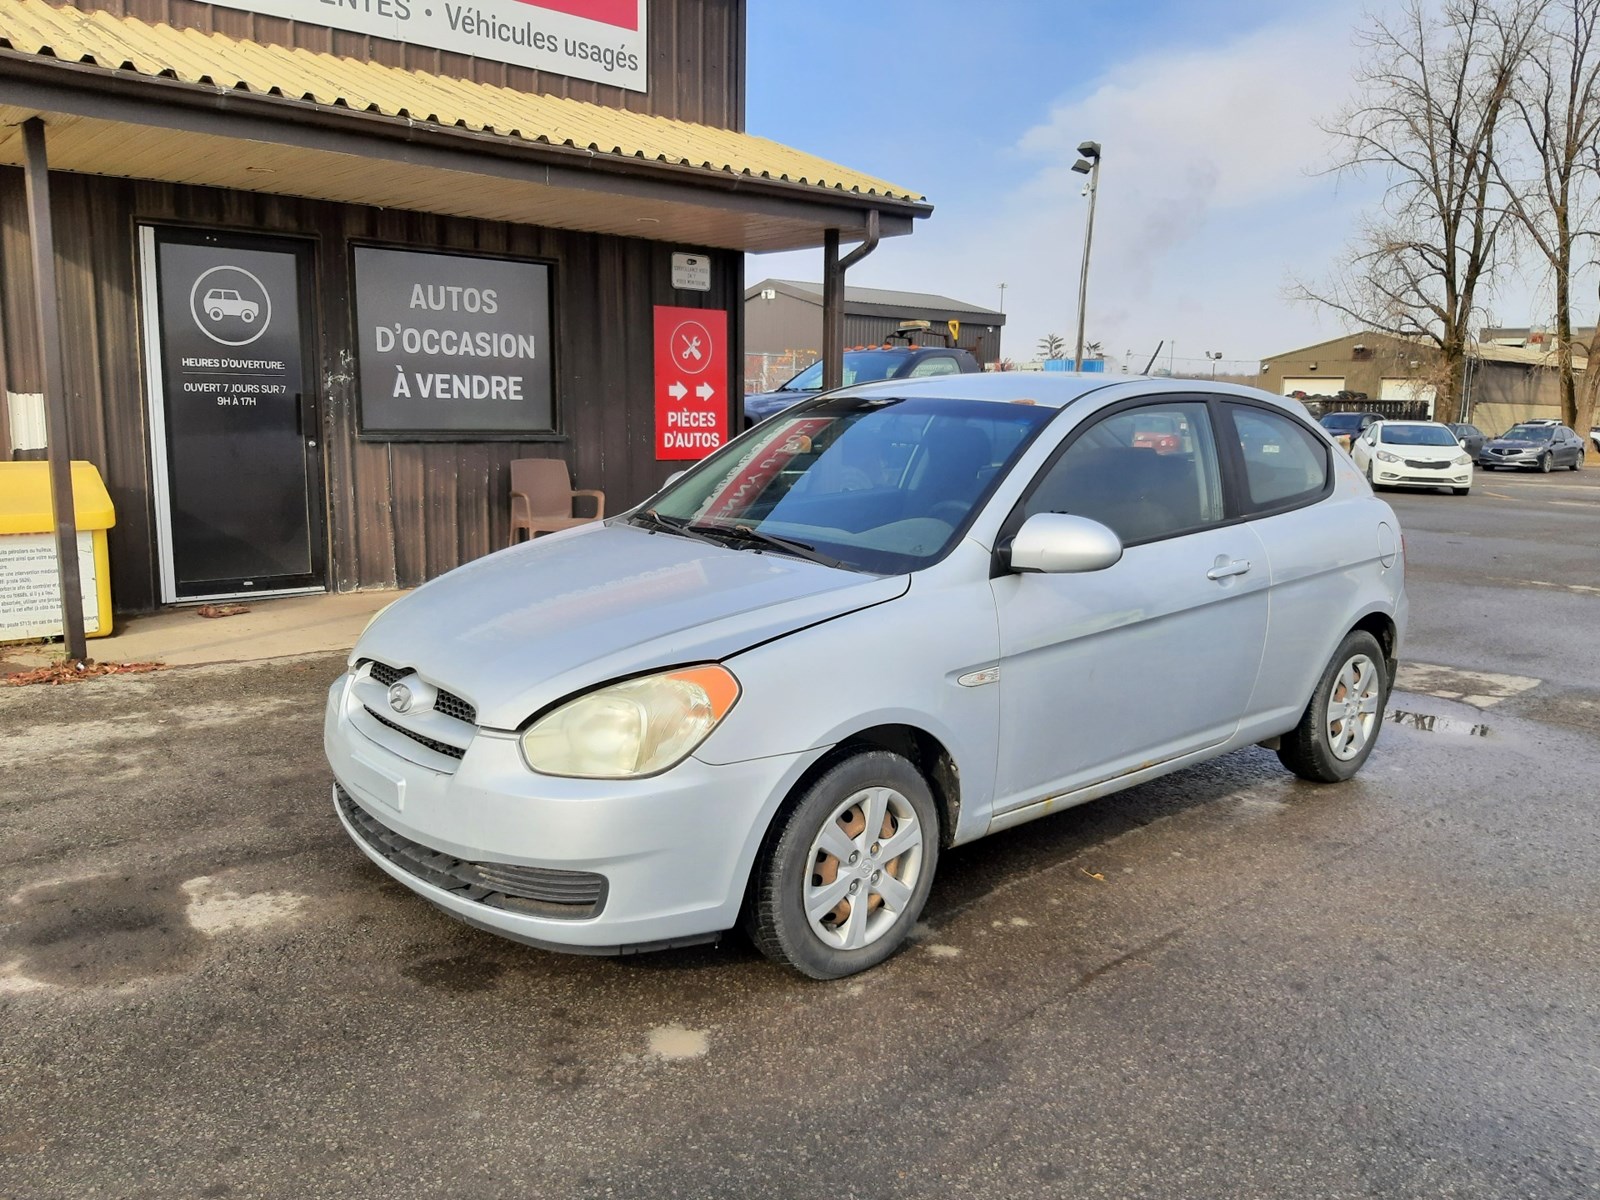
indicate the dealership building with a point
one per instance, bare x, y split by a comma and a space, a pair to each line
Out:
322, 271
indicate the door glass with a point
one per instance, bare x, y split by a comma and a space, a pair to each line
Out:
941, 365
1147, 473
1284, 464
238, 477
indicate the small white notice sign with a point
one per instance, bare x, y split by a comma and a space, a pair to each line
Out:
30, 590
691, 272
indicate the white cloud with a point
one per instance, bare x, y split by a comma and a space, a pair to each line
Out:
1209, 195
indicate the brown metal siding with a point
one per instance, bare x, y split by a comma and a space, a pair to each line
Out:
695, 49
398, 512
873, 331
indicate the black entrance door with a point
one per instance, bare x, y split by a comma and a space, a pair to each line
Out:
243, 474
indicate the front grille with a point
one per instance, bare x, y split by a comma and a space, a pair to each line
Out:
450, 704
537, 891
1415, 465
433, 744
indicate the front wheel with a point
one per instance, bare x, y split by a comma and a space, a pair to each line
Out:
842, 875
1341, 724
1547, 462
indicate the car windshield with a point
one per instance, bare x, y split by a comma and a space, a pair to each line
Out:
1342, 422
1529, 433
878, 484
1417, 435
860, 366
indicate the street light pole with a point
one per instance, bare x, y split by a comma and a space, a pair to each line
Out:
1088, 165
1214, 355
1003, 287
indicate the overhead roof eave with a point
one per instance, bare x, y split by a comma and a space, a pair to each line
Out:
125, 122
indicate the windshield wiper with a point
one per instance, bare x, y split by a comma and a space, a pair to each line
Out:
655, 522
757, 537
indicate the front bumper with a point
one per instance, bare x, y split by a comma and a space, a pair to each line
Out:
642, 863
1411, 474
1520, 458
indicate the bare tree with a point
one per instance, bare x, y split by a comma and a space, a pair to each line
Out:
1553, 194
1435, 83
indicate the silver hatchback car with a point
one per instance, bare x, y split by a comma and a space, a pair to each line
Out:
884, 622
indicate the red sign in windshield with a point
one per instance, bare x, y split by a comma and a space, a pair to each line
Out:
624, 14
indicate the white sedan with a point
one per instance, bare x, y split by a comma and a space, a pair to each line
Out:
1413, 454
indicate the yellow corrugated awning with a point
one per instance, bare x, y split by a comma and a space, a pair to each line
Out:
495, 119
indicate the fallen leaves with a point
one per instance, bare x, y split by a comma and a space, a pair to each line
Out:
1093, 874
72, 672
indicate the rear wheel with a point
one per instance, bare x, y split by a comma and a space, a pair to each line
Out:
1577, 463
844, 873
1341, 724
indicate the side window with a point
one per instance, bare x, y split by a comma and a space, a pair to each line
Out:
1283, 464
940, 365
1148, 473
1568, 434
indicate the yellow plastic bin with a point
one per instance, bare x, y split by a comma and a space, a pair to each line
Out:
30, 588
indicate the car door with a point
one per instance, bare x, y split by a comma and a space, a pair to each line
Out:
1364, 447
1571, 447
1103, 673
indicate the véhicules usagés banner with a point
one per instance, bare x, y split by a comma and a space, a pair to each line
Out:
598, 40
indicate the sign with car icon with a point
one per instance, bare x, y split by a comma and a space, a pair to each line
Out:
225, 302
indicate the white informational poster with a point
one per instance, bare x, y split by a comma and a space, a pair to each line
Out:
30, 590
599, 40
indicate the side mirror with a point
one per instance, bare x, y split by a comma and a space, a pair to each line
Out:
1059, 543
1462, 441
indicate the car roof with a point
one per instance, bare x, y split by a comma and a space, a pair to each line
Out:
1441, 424
1057, 389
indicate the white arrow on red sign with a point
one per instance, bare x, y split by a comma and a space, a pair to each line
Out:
677, 391
704, 391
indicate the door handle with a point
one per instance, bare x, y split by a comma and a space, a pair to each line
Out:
1226, 567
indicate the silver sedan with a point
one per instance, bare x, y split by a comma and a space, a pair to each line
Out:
885, 622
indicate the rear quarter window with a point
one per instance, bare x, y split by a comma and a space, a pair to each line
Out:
1285, 464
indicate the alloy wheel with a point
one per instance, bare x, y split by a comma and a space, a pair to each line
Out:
1352, 713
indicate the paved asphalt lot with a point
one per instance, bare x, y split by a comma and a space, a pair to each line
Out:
1224, 984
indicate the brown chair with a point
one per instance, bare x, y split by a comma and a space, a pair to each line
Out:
542, 498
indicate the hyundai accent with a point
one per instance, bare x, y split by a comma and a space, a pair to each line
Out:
886, 622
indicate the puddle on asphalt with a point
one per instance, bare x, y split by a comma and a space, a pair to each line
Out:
1430, 723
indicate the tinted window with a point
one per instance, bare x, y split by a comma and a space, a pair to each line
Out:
1418, 435
1147, 473
940, 365
1529, 433
1284, 463
860, 366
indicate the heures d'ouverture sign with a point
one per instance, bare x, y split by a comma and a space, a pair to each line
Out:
452, 343
599, 40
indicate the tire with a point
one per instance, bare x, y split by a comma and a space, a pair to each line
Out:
1577, 463
248, 316
1547, 463
1371, 482
215, 314
804, 856
1455, 491
1315, 749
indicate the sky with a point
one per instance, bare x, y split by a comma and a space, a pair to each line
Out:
1214, 194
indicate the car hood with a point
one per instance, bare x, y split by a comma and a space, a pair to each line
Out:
1516, 443
1423, 453
520, 629
764, 404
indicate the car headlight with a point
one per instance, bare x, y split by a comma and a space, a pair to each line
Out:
637, 727
1385, 456
1463, 460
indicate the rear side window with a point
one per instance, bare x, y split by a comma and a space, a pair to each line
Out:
940, 365
1284, 463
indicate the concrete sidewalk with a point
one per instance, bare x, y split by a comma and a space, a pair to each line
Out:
181, 637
